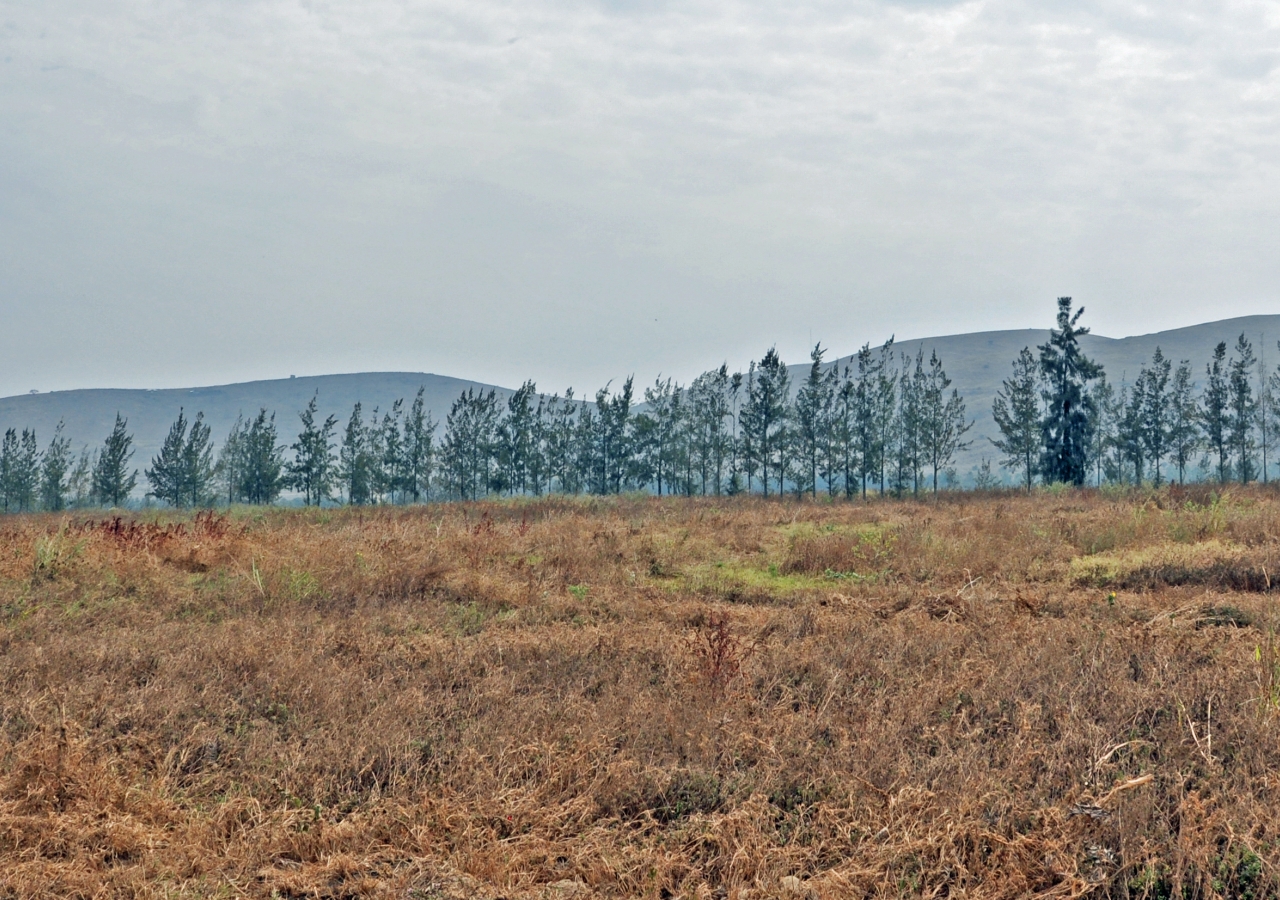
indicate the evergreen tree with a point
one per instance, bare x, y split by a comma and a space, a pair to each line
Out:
845, 432
1264, 413
19, 470
518, 433
1214, 413
80, 481
1273, 392
765, 418
468, 450
866, 444
560, 444
198, 457
812, 415
1242, 409
736, 382
584, 450
167, 475
1103, 424
1016, 410
885, 408
112, 480
1184, 428
655, 431
419, 449
229, 469
909, 431
9, 453
1131, 448
374, 455
611, 449
355, 462
55, 466
1067, 426
389, 465
943, 420
748, 451
1156, 411
712, 408
312, 471
262, 471
183, 470
983, 478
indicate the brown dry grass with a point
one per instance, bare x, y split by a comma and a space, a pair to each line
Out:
997, 696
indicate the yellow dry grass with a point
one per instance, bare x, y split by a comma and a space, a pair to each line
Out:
1000, 696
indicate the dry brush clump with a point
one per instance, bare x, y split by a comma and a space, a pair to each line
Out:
1001, 696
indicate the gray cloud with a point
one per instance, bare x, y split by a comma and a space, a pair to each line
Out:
201, 191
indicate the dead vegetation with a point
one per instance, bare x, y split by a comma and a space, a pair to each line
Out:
1002, 696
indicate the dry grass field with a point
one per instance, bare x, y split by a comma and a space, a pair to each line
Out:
1004, 696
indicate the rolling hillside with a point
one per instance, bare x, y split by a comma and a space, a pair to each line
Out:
89, 414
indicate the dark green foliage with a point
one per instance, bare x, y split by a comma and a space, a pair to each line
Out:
112, 480
764, 420
908, 426
1017, 413
1130, 448
1184, 429
55, 466
655, 432
709, 411
419, 450
182, 473
1104, 415
943, 424
228, 468
812, 415
1243, 875
1214, 413
355, 461
518, 464
1068, 422
611, 444
262, 474
313, 471
1155, 411
1242, 410
251, 462
80, 479
19, 471
862, 402
470, 438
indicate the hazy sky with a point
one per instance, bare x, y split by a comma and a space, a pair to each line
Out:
200, 192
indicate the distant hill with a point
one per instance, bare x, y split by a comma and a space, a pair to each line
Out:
977, 364
90, 414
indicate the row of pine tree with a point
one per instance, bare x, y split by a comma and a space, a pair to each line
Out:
1061, 420
880, 423
883, 423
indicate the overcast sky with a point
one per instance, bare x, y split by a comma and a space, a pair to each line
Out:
202, 192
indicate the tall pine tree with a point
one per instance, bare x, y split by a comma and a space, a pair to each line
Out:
1215, 413
312, 471
112, 480
1016, 411
1067, 427
1242, 410
55, 467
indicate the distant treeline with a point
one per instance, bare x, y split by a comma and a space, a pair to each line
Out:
884, 423
1062, 421
881, 423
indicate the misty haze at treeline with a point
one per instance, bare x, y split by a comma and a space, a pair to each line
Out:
882, 423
